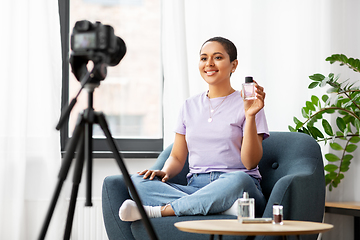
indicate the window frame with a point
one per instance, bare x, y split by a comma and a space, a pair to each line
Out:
128, 147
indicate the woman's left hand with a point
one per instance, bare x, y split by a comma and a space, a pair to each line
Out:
252, 107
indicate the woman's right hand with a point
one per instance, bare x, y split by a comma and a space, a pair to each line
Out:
152, 173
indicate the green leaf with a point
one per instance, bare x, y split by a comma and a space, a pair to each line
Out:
319, 115
299, 125
331, 157
355, 139
336, 146
343, 58
345, 163
348, 119
315, 100
304, 130
296, 120
332, 175
340, 135
304, 112
336, 181
346, 132
313, 85
325, 98
291, 129
327, 127
347, 104
341, 124
317, 77
330, 168
315, 132
330, 111
350, 148
344, 168
357, 124
331, 59
310, 105
348, 127
348, 157
328, 179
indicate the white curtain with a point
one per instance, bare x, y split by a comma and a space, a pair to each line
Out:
280, 43
30, 68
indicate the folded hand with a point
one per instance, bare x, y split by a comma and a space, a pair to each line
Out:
152, 173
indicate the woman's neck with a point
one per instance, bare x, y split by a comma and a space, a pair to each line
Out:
219, 92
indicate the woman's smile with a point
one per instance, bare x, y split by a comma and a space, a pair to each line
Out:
211, 72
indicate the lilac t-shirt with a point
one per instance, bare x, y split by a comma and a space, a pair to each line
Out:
215, 146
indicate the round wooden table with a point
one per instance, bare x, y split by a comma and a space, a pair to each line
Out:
233, 227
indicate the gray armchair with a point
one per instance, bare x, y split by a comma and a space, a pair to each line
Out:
293, 175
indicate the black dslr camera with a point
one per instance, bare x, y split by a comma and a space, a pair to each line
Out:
95, 42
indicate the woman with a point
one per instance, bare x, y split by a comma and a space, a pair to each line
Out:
223, 134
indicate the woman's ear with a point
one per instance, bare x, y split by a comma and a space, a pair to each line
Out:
234, 63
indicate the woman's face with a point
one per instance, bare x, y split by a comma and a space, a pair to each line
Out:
215, 66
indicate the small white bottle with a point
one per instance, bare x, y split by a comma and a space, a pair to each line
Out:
246, 207
248, 89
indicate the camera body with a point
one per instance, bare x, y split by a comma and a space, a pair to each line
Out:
95, 42
88, 37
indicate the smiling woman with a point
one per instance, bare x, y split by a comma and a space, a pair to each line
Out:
222, 149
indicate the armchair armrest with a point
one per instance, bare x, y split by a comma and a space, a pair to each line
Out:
301, 194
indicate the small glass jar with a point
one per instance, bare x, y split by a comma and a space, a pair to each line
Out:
278, 214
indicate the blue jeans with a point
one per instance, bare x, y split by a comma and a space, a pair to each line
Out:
205, 193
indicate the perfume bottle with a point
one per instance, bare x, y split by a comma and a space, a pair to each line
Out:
246, 207
277, 214
248, 89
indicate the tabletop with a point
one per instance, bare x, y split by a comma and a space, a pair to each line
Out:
233, 227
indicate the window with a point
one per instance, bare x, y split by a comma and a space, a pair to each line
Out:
130, 96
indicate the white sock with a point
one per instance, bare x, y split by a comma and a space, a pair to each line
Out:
233, 210
129, 211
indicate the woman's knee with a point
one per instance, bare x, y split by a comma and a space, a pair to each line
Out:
136, 178
238, 177
241, 182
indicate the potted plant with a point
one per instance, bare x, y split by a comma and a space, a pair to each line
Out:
343, 99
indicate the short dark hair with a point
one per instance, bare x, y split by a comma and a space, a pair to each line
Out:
228, 45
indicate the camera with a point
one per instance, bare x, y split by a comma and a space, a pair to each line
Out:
95, 42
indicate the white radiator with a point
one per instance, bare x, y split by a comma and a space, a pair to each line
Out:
88, 222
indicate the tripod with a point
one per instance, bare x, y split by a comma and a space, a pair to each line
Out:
81, 142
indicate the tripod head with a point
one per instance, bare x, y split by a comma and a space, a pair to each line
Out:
79, 69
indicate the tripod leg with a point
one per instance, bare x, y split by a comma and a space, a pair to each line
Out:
88, 156
70, 151
102, 122
75, 189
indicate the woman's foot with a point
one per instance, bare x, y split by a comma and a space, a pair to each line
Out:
233, 210
129, 211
